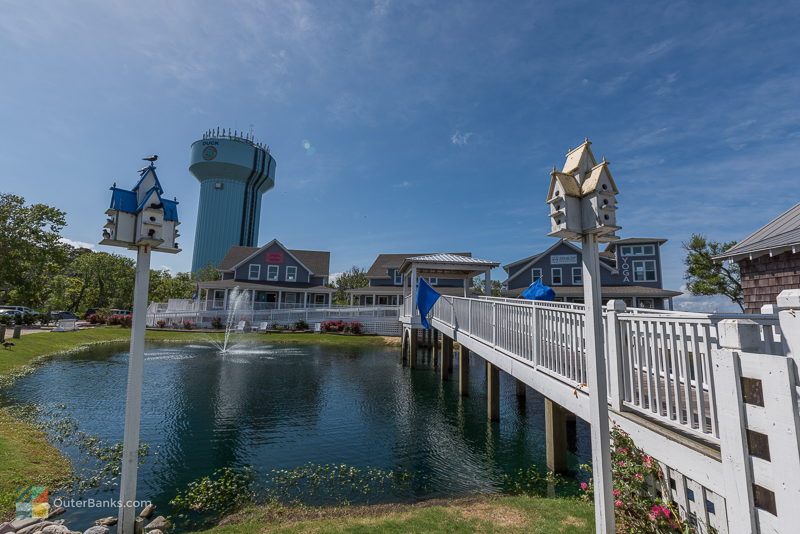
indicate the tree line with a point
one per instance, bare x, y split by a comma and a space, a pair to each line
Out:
39, 270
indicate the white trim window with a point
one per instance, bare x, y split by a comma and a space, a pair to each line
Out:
536, 274
644, 271
433, 281
555, 276
398, 278
291, 273
577, 276
254, 271
272, 272
638, 250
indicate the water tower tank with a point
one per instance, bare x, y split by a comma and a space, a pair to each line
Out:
234, 172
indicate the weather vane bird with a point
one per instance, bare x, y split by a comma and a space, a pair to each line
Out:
152, 158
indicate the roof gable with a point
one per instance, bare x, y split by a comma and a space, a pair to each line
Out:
781, 232
538, 257
385, 262
567, 182
598, 176
316, 262
579, 158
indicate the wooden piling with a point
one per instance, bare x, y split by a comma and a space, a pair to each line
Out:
521, 388
463, 371
412, 346
446, 352
492, 392
555, 423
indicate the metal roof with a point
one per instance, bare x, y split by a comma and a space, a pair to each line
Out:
123, 200
781, 232
451, 258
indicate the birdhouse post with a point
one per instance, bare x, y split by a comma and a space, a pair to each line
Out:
138, 219
582, 199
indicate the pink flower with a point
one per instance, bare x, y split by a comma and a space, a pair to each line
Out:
618, 503
622, 463
584, 485
639, 476
616, 493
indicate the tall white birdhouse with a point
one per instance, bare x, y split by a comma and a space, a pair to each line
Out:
582, 198
141, 216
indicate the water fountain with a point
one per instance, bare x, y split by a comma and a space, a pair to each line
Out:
236, 301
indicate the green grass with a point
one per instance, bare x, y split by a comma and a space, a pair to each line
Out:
26, 457
501, 515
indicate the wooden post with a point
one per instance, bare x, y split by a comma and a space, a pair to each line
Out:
555, 424
17, 332
521, 388
463, 371
598, 389
412, 353
492, 392
446, 352
616, 384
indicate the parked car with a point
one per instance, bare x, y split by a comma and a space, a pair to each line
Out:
115, 311
58, 315
17, 310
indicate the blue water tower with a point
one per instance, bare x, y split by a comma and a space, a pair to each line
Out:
234, 172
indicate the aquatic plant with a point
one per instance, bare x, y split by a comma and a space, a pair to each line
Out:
208, 497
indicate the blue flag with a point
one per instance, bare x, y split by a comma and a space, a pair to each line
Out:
538, 291
426, 298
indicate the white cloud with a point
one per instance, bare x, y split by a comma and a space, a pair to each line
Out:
403, 184
77, 244
461, 139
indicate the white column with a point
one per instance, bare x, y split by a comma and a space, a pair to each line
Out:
224, 299
466, 283
305, 299
487, 281
280, 295
133, 402
413, 291
598, 390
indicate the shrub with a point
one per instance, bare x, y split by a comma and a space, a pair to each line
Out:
188, 325
115, 319
96, 318
216, 323
332, 326
355, 327
301, 325
126, 320
161, 323
639, 490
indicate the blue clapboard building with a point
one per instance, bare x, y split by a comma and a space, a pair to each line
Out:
630, 270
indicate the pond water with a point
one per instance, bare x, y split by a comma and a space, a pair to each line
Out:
283, 406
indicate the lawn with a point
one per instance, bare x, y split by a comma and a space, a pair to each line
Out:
26, 457
486, 514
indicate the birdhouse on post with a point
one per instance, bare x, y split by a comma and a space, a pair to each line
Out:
142, 217
141, 220
582, 198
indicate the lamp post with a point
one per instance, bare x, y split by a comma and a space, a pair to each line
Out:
139, 219
582, 199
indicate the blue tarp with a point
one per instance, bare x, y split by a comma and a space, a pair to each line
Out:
426, 298
538, 291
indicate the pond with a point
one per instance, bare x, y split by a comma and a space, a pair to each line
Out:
284, 406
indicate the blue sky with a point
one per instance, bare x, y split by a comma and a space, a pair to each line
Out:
432, 126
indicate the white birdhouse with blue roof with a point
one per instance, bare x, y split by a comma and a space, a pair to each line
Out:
582, 197
141, 216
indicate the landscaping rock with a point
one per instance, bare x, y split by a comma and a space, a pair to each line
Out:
25, 522
56, 512
147, 511
36, 527
106, 521
55, 529
159, 523
6, 527
98, 529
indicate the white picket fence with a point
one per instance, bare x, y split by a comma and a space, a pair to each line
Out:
728, 382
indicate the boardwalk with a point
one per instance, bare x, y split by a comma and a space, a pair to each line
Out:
712, 397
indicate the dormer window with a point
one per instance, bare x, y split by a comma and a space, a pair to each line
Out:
291, 273
398, 278
272, 272
254, 271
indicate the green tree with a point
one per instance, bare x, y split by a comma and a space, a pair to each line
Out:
478, 286
353, 278
92, 280
164, 286
708, 277
30, 249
